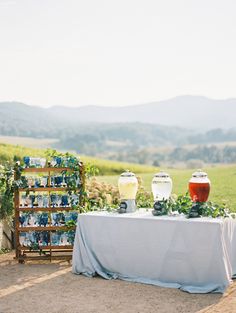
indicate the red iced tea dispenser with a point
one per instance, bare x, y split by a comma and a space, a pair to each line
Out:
199, 189
199, 186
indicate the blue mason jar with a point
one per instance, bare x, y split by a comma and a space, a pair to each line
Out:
26, 160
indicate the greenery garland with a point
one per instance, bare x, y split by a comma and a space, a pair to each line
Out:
183, 203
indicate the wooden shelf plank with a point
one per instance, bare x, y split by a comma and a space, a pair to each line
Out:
45, 257
50, 209
47, 228
49, 247
45, 169
43, 189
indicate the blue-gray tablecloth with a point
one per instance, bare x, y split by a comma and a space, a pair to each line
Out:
194, 255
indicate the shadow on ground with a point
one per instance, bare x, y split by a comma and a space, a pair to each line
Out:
52, 288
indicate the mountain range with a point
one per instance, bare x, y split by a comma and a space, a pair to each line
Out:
193, 112
177, 130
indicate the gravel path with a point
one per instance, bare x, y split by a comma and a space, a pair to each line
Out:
52, 288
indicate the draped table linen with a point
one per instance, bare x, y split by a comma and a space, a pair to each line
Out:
194, 255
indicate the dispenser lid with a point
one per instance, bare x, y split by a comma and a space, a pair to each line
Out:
127, 173
162, 174
199, 174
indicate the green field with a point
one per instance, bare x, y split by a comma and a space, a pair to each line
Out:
223, 182
29, 141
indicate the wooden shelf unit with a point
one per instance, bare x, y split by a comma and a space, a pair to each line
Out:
51, 252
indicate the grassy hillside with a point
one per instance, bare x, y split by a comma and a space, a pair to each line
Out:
106, 167
223, 182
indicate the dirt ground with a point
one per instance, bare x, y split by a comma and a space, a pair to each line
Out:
52, 288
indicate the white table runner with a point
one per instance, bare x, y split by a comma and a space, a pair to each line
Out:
195, 255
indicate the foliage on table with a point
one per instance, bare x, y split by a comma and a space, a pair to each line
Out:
144, 198
183, 203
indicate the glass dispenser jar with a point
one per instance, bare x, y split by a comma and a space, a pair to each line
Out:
161, 186
199, 189
161, 189
128, 187
199, 186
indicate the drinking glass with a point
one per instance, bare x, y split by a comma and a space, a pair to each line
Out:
43, 162
37, 182
22, 200
58, 200
71, 161
64, 200
35, 162
67, 179
55, 219
55, 238
45, 201
56, 181
26, 160
46, 238
31, 220
74, 216
22, 220
63, 239
32, 198
44, 181
71, 237
60, 218
53, 162
27, 201
43, 219
53, 199
43, 238
74, 199
40, 201
52, 182
59, 180
58, 161
32, 162
30, 181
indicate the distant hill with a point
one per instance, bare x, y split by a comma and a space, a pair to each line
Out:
132, 133
184, 111
194, 112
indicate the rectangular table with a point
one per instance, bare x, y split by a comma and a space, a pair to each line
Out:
194, 255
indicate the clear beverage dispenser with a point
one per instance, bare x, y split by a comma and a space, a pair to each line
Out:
161, 189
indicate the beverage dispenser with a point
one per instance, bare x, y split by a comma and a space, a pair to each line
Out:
161, 189
199, 189
128, 187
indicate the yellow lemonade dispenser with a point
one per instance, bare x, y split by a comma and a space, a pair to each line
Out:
128, 187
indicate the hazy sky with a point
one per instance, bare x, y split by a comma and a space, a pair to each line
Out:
116, 52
